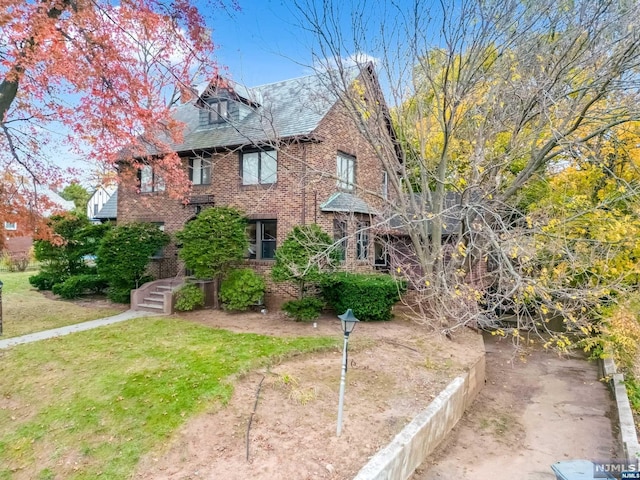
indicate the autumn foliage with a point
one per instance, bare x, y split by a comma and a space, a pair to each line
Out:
95, 73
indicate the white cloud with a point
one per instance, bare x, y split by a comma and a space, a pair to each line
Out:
337, 63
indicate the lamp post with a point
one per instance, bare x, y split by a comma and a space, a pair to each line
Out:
348, 323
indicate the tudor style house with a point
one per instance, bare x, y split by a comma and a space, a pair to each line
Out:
286, 154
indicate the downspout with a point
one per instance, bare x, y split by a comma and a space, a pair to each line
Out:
304, 184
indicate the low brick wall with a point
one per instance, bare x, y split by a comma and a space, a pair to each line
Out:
399, 459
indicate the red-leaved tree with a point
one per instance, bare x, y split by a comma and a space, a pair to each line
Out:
99, 75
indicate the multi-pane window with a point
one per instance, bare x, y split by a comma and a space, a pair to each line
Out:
200, 171
262, 239
10, 226
150, 181
362, 241
345, 172
259, 167
340, 237
214, 112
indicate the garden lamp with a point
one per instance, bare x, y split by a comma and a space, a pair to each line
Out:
349, 321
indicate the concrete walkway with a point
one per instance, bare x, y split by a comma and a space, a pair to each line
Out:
78, 327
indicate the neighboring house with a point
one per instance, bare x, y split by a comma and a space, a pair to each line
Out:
108, 211
102, 196
18, 231
286, 154
17, 240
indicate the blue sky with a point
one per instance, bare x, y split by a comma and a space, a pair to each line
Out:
265, 40
262, 43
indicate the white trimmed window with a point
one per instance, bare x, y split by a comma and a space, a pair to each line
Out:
200, 171
259, 167
346, 166
262, 239
340, 238
362, 241
214, 112
149, 180
10, 225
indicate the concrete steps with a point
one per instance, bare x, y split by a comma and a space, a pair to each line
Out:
153, 297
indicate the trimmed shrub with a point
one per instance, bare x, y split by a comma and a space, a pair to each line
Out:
241, 289
123, 256
119, 294
78, 285
189, 297
303, 310
213, 241
44, 280
304, 256
64, 255
371, 297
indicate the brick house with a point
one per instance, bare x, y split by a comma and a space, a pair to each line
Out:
287, 153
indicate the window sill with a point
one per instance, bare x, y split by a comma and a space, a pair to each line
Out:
261, 186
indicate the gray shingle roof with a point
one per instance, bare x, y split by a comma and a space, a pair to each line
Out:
109, 210
284, 109
346, 202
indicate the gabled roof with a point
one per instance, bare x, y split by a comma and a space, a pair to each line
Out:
109, 210
290, 108
346, 202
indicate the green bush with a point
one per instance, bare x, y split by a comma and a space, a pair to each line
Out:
241, 289
75, 240
123, 256
304, 256
189, 297
119, 294
44, 280
78, 285
213, 241
304, 310
371, 297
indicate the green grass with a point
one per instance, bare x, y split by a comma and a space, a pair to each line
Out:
89, 405
25, 310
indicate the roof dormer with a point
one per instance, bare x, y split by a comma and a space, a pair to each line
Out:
223, 101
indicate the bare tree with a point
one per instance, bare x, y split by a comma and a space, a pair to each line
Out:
486, 98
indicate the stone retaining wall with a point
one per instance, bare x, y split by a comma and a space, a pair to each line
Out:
416, 441
628, 433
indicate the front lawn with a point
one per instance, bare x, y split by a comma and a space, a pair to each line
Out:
88, 405
25, 310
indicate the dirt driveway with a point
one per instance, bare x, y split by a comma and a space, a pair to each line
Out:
395, 370
530, 414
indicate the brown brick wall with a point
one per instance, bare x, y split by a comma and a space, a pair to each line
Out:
306, 179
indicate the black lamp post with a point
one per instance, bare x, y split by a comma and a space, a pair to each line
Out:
348, 324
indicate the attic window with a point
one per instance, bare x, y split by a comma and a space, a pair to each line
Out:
213, 112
